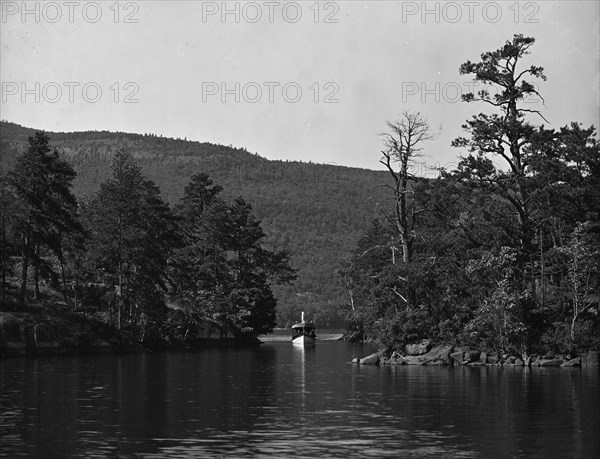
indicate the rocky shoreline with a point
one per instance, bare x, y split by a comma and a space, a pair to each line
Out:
447, 355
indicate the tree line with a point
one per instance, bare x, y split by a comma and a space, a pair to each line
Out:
124, 254
502, 253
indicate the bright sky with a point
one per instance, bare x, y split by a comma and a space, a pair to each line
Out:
288, 80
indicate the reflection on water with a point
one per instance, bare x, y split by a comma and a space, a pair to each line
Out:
284, 400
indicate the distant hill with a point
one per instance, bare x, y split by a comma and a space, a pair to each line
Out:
315, 211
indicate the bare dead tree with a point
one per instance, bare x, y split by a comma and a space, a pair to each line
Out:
402, 145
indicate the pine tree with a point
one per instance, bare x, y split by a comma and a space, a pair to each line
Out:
505, 134
42, 183
132, 235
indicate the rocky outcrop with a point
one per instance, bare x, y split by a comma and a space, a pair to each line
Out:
418, 349
412, 359
576, 362
457, 357
439, 355
550, 362
397, 359
493, 358
372, 359
449, 355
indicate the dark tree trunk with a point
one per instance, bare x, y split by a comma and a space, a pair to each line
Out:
3, 261
75, 287
36, 271
63, 276
24, 271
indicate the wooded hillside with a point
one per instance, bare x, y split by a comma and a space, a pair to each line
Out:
314, 211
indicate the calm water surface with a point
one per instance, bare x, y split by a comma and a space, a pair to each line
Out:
279, 400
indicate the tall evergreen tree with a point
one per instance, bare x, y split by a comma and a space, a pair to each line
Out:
505, 134
42, 183
133, 233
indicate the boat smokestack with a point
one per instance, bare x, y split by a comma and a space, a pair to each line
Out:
302, 316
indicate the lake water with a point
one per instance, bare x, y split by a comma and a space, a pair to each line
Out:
283, 401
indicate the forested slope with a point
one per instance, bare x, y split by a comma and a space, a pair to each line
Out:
315, 211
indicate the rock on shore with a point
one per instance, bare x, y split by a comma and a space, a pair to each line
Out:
423, 354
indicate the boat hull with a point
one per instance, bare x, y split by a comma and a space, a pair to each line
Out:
303, 339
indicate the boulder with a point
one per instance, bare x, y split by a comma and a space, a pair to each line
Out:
412, 360
510, 360
590, 359
519, 363
372, 359
418, 349
457, 357
355, 360
492, 359
437, 354
550, 362
483, 357
576, 362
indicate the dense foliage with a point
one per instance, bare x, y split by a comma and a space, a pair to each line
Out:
222, 268
124, 255
501, 257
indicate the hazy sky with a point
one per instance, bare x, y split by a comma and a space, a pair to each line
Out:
288, 80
